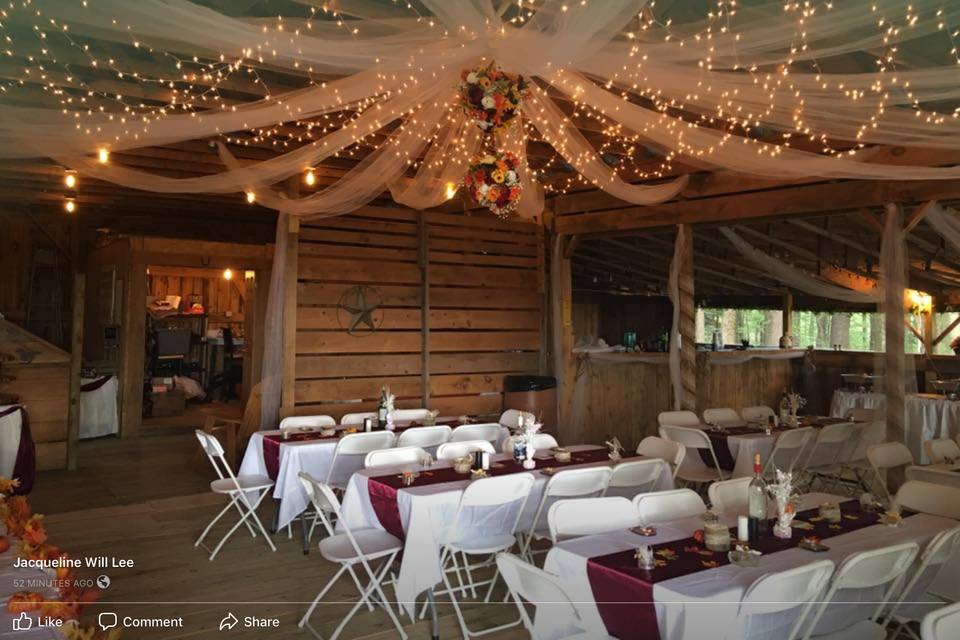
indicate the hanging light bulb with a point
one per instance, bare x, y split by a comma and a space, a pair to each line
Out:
451, 190
310, 177
251, 197
228, 274
103, 155
70, 178
70, 205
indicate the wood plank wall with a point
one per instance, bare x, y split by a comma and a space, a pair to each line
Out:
461, 307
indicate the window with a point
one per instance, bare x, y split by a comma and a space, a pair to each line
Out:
762, 327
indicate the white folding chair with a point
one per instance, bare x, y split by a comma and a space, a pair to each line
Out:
238, 490
871, 430
758, 414
587, 516
942, 624
397, 456
825, 460
888, 455
511, 418
787, 450
539, 442
722, 417
301, 422
485, 494
927, 497
783, 599
555, 612
424, 437
678, 419
454, 450
356, 444
729, 496
409, 415
633, 477
875, 569
662, 506
487, 431
587, 482
941, 450
350, 419
667, 450
915, 601
693, 469
349, 549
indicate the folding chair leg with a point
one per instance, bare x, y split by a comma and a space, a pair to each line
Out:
313, 605
466, 569
210, 526
236, 501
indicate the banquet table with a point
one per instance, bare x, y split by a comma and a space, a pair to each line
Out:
736, 445
17, 450
98, 407
942, 473
422, 514
269, 454
928, 415
695, 593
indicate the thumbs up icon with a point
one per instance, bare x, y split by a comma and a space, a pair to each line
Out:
23, 623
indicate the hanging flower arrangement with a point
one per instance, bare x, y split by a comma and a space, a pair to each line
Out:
491, 96
493, 181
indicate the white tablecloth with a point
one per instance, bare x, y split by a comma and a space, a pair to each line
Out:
427, 513
314, 457
928, 416
704, 604
98, 409
10, 426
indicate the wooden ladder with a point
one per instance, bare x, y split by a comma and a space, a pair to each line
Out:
44, 314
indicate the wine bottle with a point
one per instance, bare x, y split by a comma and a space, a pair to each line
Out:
784, 408
382, 410
756, 504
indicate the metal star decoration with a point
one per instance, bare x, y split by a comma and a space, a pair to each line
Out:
361, 303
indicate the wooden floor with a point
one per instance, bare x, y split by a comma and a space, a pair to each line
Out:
148, 498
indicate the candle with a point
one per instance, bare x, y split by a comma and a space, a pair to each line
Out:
743, 528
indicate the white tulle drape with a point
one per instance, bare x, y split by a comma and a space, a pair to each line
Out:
398, 67
271, 377
945, 222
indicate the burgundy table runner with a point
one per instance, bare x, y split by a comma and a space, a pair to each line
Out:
721, 447
383, 489
95, 384
25, 465
624, 593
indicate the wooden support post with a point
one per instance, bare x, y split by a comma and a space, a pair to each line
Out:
565, 368
788, 313
688, 321
132, 345
290, 274
423, 245
76, 360
927, 319
895, 366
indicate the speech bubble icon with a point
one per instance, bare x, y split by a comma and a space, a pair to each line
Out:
107, 620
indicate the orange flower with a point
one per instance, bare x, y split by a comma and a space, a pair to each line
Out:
24, 601
493, 193
6, 485
33, 531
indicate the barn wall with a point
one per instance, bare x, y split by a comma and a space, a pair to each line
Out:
223, 299
461, 306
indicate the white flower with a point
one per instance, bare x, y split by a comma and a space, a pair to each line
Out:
472, 77
489, 159
511, 176
483, 189
483, 124
488, 102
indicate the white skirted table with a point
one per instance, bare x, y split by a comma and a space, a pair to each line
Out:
98, 407
928, 415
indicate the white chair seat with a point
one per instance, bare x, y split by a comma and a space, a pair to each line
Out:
247, 483
481, 546
374, 544
863, 630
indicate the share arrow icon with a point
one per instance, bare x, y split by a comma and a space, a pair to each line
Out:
229, 621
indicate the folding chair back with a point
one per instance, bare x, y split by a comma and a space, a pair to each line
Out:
928, 497
888, 455
941, 450
454, 450
567, 483
324, 501
757, 414
668, 450
409, 415
530, 584
828, 446
539, 442
787, 449
215, 453
662, 506
723, 417
637, 476
775, 593
424, 437
355, 444
570, 518
358, 418
488, 431
937, 552
511, 418
942, 624
729, 496
296, 422
678, 419
396, 456
884, 567
693, 438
